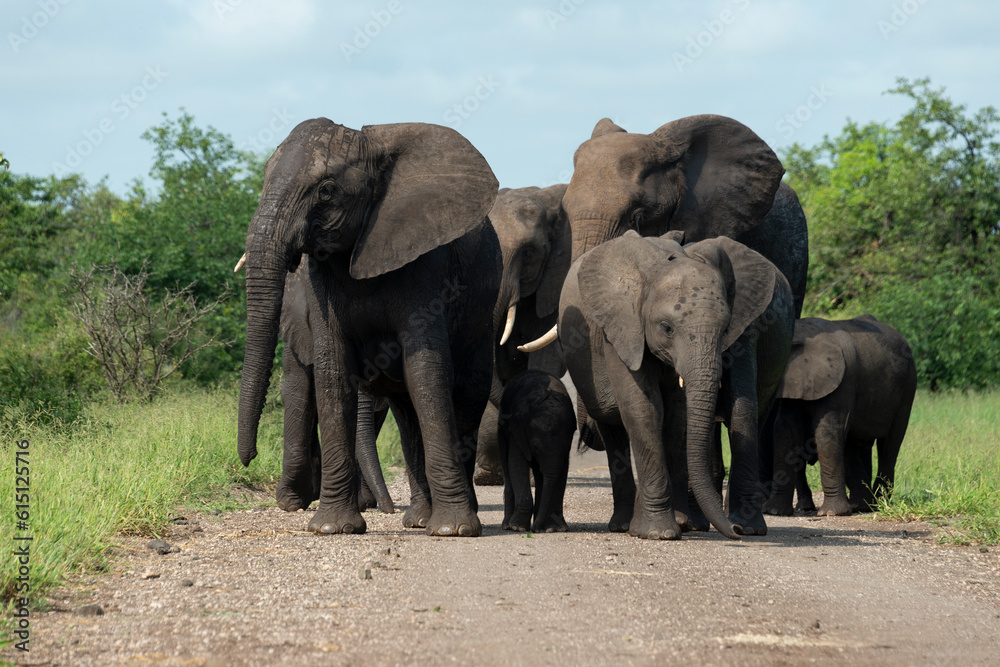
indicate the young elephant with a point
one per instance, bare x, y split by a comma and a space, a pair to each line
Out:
663, 341
535, 432
849, 383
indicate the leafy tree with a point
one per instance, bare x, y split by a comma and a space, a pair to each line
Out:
904, 222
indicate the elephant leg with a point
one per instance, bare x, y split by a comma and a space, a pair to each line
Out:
888, 446
337, 404
616, 445
419, 511
298, 485
804, 497
366, 499
489, 471
859, 474
746, 496
788, 439
641, 407
428, 371
517, 487
831, 441
550, 489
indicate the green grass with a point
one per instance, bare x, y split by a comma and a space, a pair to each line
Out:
126, 470
948, 470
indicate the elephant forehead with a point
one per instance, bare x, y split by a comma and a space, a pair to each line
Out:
320, 148
618, 155
686, 287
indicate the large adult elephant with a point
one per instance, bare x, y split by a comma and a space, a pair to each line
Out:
404, 270
662, 341
704, 175
537, 244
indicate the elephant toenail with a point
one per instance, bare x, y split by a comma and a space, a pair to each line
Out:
445, 530
465, 530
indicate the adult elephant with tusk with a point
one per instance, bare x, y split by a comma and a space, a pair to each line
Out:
662, 341
404, 271
536, 243
700, 177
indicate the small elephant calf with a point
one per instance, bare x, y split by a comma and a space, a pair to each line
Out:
848, 384
535, 432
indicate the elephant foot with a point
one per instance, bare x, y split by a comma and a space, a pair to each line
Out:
748, 522
487, 477
620, 521
866, 503
834, 507
662, 526
555, 523
518, 521
778, 507
291, 499
328, 520
692, 520
805, 504
365, 499
417, 514
454, 521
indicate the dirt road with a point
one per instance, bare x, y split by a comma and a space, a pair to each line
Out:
249, 588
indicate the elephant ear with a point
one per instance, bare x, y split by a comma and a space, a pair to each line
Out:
816, 364
560, 255
729, 175
605, 126
749, 278
610, 278
437, 188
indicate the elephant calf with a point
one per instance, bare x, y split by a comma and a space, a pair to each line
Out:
848, 384
535, 432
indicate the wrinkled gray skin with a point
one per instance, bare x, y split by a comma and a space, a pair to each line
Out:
848, 385
637, 313
404, 270
537, 243
703, 175
535, 434
301, 466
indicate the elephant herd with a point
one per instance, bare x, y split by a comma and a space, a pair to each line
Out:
667, 277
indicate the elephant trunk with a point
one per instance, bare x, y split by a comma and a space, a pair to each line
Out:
367, 451
267, 267
589, 233
701, 394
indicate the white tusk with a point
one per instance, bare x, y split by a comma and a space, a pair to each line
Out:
509, 326
239, 264
547, 339
680, 381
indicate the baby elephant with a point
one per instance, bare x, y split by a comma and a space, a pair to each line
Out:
848, 383
535, 432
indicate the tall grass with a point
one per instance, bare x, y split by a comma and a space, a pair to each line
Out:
125, 470
948, 470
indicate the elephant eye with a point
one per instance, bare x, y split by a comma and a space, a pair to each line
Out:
668, 330
636, 219
326, 191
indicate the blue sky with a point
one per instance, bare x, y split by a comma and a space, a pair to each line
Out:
524, 81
